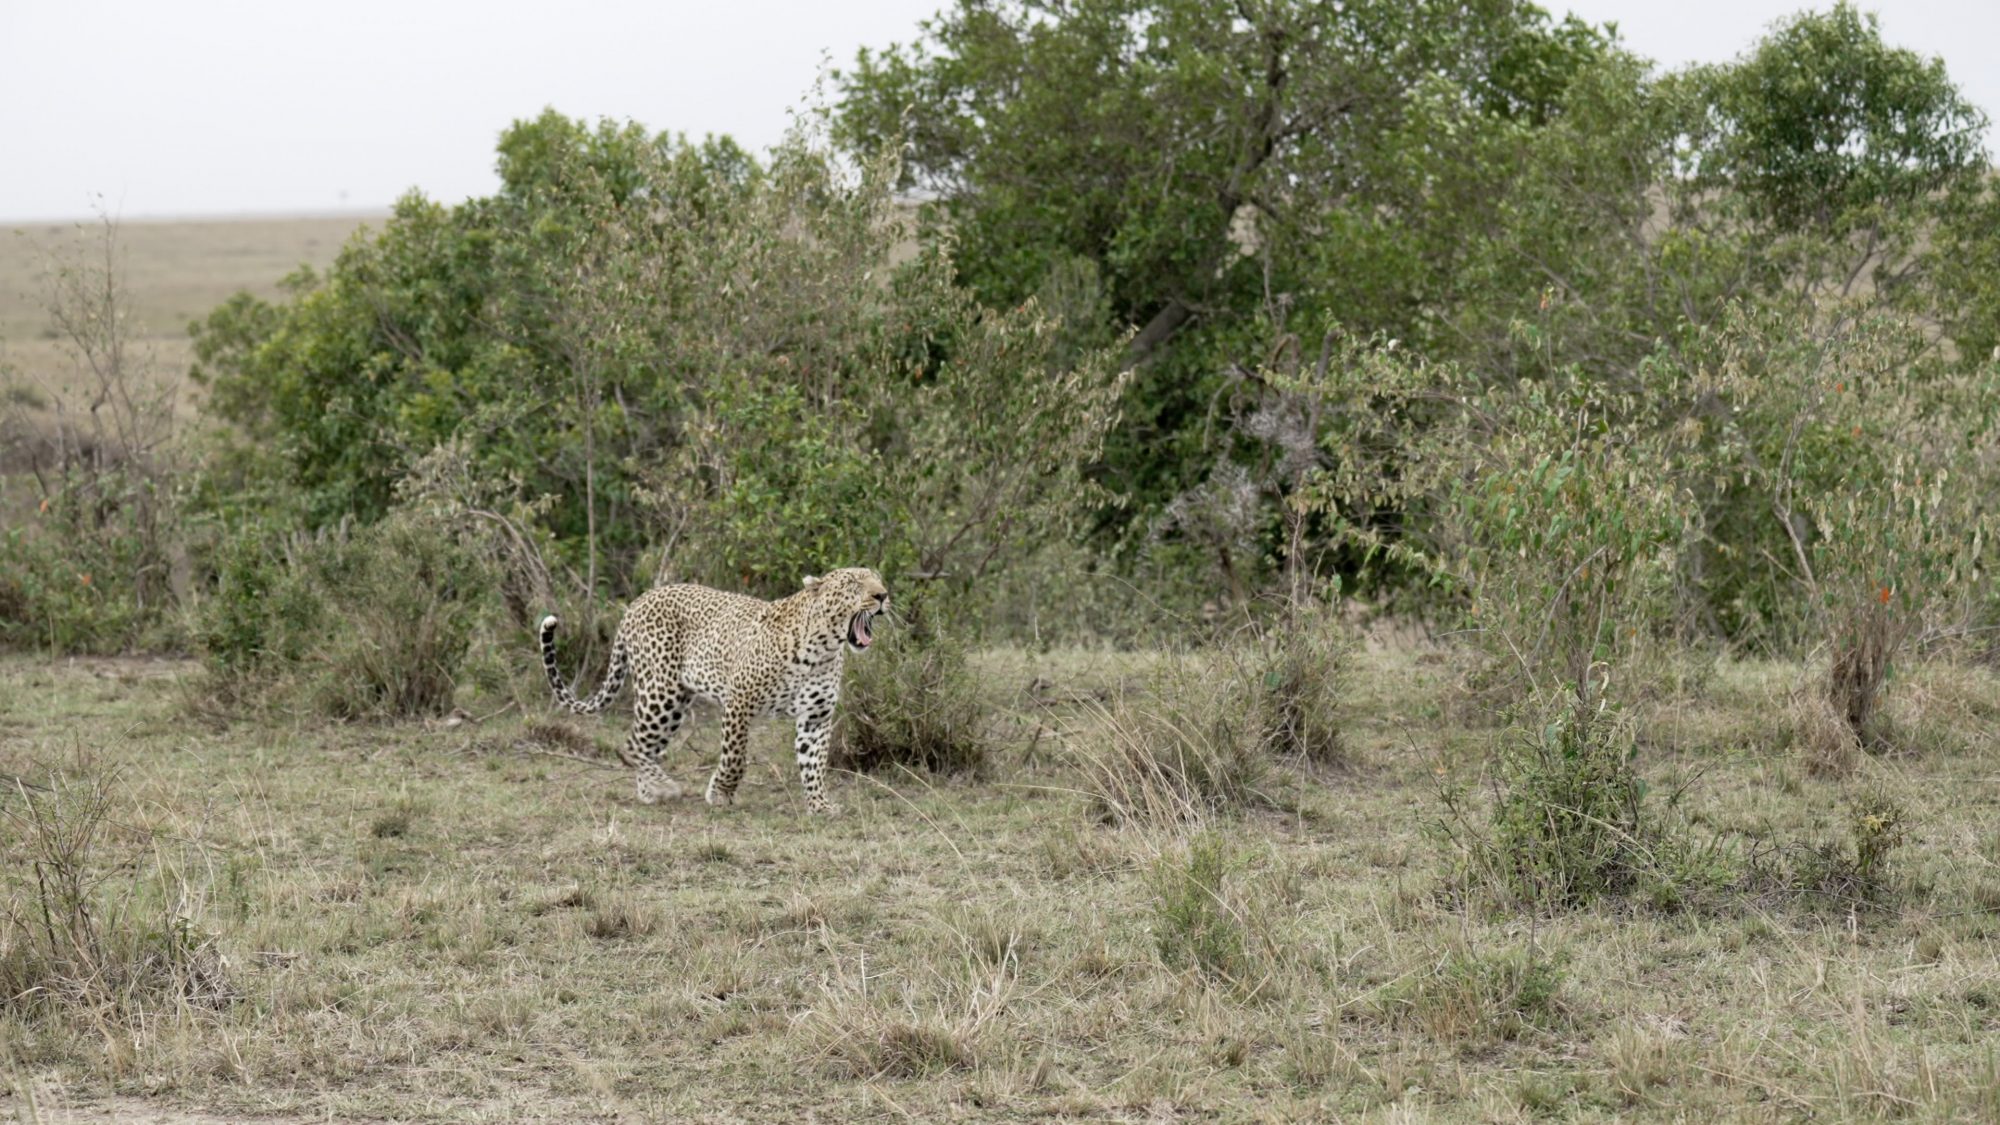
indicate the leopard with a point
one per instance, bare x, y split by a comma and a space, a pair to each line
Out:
752, 658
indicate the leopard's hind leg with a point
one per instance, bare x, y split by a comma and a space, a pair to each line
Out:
735, 755
655, 718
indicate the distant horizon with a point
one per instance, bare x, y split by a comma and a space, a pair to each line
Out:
203, 217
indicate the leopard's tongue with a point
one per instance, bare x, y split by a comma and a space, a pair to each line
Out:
861, 630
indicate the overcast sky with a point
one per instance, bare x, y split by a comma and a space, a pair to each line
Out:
207, 107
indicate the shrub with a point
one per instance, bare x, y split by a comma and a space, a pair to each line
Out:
97, 568
1560, 523
1548, 512
1571, 820
1185, 749
1299, 685
1829, 874
1195, 924
1874, 466
87, 574
408, 599
368, 622
829, 402
912, 703
262, 612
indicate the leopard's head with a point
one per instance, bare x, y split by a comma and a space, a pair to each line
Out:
846, 601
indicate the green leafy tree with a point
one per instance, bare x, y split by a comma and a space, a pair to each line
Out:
1204, 155
1822, 127
717, 367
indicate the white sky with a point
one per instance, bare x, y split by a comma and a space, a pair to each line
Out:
206, 107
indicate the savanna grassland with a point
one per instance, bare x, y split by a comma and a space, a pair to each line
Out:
1439, 572
478, 922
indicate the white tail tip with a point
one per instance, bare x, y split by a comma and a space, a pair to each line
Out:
548, 622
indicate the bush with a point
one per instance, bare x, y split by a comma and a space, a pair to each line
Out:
1180, 752
1301, 678
263, 612
98, 566
1548, 512
1571, 820
1831, 874
1873, 466
830, 401
88, 575
375, 622
408, 599
912, 703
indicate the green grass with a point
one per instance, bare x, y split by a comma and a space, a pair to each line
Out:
455, 923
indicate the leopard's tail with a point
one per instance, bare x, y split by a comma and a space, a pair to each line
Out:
614, 677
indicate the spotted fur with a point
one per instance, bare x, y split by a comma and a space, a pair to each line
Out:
753, 658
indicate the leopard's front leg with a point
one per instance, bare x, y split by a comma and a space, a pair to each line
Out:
815, 731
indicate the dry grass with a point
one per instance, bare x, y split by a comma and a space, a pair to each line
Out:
178, 271
438, 924
1825, 742
1179, 750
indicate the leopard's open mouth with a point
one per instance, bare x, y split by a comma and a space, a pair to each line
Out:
857, 629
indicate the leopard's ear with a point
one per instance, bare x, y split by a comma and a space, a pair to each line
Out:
811, 581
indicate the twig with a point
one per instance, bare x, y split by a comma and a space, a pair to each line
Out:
601, 763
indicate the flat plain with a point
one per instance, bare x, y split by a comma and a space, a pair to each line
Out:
478, 922
173, 274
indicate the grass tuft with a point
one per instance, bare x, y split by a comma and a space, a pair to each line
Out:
621, 917
79, 943
1196, 926
1300, 681
396, 821
1180, 753
1472, 999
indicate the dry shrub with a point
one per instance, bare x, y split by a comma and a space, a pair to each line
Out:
102, 563
1848, 875
912, 704
76, 943
1300, 683
1179, 753
1866, 642
1936, 707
